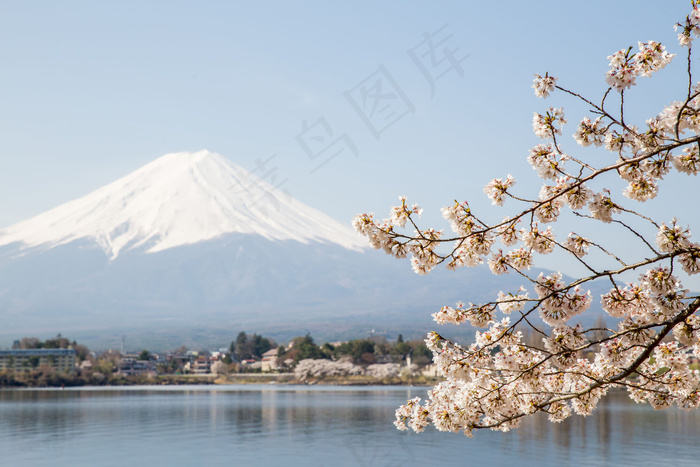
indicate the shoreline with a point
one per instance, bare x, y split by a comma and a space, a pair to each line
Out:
232, 379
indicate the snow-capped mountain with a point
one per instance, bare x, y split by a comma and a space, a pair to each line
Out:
180, 199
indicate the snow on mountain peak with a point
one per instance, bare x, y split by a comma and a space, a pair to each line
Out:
180, 199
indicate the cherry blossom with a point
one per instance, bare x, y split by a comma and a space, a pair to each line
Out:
543, 85
589, 132
544, 159
548, 125
500, 378
497, 188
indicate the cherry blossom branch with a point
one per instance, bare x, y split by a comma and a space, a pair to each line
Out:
499, 378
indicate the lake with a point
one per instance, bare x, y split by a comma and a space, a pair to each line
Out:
271, 425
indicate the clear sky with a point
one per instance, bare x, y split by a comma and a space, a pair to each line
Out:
90, 91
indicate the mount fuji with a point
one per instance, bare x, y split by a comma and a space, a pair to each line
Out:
179, 199
193, 249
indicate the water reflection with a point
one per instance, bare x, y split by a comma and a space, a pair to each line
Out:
293, 425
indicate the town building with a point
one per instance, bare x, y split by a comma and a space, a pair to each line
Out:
130, 365
61, 360
202, 365
269, 361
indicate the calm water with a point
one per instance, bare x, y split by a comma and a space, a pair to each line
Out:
312, 426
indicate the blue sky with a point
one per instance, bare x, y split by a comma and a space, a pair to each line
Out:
90, 91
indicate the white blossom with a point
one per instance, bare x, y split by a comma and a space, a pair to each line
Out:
549, 211
652, 56
400, 214
497, 188
464, 256
632, 300
589, 132
622, 73
602, 207
512, 302
317, 368
543, 85
498, 263
548, 125
689, 161
577, 244
540, 241
520, 258
641, 189
508, 235
673, 238
563, 343
383, 370
460, 218
690, 262
544, 160
689, 29
625, 66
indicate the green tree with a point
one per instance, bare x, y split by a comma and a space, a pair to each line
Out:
239, 347
358, 349
81, 352
420, 354
59, 342
260, 345
303, 348
27, 343
247, 347
401, 348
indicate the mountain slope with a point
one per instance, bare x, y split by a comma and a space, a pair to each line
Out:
179, 199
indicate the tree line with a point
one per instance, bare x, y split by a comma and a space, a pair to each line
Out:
101, 368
